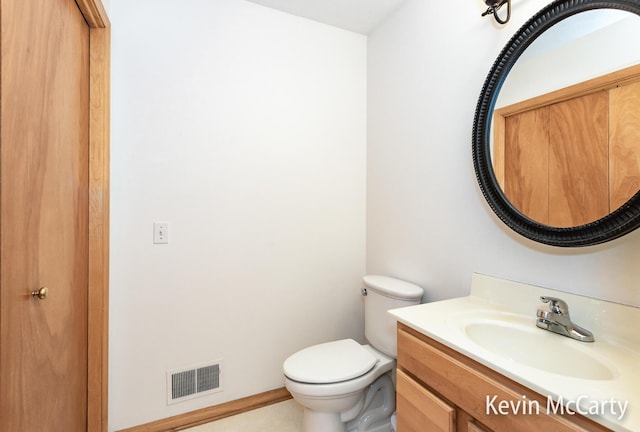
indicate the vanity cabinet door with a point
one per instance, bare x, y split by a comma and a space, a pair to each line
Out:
420, 410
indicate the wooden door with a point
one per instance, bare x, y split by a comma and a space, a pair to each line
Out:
526, 163
624, 144
578, 160
556, 161
44, 144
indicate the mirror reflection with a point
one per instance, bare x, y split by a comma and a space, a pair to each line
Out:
566, 125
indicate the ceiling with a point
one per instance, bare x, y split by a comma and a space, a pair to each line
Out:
360, 16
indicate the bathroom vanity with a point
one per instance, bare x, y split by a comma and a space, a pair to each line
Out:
479, 363
439, 387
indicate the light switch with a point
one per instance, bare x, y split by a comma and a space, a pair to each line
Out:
160, 232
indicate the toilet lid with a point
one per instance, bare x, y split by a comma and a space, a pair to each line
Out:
329, 362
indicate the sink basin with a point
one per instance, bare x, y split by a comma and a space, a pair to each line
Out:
524, 343
495, 326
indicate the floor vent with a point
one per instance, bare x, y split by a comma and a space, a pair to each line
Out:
191, 383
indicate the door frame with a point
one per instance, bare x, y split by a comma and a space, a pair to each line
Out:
96, 17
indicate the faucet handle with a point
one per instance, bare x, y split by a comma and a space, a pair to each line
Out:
557, 306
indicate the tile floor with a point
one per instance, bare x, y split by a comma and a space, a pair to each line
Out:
281, 417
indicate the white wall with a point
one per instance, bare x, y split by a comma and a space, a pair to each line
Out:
551, 63
427, 220
245, 129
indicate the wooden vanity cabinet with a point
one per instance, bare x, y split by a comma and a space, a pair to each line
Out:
439, 389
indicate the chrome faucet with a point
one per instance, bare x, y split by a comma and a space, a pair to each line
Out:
557, 320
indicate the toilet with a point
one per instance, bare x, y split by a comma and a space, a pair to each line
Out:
347, 387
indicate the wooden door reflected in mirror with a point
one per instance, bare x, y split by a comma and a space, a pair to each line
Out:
570, 157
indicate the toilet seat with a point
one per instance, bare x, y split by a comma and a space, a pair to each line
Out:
330, 362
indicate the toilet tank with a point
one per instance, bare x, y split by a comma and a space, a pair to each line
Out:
384, 293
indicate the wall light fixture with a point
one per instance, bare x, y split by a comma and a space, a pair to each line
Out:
493, 8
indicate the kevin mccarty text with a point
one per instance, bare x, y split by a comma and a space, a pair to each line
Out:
581, 405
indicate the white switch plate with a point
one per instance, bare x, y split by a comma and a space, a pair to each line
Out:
160, 232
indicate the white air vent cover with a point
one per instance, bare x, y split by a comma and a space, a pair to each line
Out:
194, 382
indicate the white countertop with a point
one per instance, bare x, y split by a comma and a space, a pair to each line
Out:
617, 345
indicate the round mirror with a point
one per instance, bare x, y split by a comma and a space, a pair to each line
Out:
556, 135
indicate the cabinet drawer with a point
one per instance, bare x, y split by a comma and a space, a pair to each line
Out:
470, 386
473, 427
420, 410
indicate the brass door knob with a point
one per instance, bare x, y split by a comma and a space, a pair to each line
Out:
41, 293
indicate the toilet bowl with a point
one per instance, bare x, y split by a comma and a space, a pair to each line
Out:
345, 386
337, 396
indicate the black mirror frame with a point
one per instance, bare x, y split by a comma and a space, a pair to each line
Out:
623, 220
